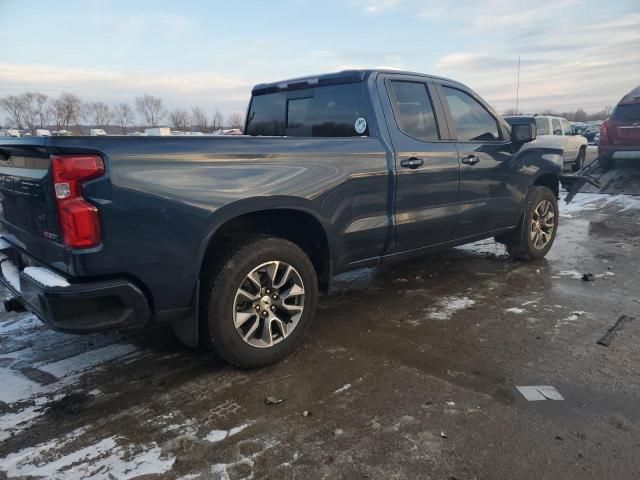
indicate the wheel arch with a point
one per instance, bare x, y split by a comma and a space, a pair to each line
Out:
549, 180
293, 219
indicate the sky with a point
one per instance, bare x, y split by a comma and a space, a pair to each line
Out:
210, 53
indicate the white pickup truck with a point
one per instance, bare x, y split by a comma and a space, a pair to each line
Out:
557, 132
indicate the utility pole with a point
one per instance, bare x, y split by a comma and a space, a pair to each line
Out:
518, 86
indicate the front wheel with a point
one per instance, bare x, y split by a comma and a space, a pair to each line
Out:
259, 301
538, 226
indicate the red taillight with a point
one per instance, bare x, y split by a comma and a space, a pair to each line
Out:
604, 134
79, 220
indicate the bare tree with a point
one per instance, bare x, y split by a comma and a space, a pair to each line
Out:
199, 120
98, 114
179, 119
124, 116
42, 109
217, 121
29, 110
67, 108
236, 120
12, 104
56, 113
150, 108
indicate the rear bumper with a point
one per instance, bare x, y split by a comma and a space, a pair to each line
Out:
619, 151
77, 307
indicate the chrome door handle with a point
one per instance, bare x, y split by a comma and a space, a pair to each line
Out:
412, 163
470, 160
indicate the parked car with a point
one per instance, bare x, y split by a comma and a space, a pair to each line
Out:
557, 132
158, 132
590, 131
596, 139
578, 127
98, 132
620, 133
230, 238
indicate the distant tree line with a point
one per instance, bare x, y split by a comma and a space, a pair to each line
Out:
578, 115
33, 110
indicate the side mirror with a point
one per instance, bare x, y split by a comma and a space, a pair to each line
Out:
523, 132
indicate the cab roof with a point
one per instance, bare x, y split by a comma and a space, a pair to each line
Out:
345, 76
632, 97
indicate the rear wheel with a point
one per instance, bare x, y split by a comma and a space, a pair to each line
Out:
538, 227
579, 163
259, 301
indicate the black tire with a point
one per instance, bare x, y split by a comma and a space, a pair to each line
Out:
579, 163
219, 291
520, 244
607, 162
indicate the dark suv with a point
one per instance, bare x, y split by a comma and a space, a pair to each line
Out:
620, 134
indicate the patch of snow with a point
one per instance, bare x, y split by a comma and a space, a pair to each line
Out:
22, 323
45, 277
4, 244
515, 310
575, 275
447, 306
104, 459
29, 398
87, 360
594, 201
570, 319
343, 388
218, 435
569, 274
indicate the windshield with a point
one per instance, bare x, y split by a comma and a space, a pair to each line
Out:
542, 126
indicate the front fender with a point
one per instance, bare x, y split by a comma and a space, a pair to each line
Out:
542, 159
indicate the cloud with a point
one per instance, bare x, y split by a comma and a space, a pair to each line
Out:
378, 6
208, 90
590, 67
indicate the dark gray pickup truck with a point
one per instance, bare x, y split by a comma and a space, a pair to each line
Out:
231, 238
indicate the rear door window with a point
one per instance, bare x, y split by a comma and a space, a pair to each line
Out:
328, 111
566, 128
555, 126
627, 113
542, 126
473, 123
413, 110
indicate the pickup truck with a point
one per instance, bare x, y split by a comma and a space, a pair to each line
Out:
231, 238
558, 132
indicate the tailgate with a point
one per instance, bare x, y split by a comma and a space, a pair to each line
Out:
624, 124
28, 214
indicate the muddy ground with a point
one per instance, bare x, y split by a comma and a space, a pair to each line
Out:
409, 371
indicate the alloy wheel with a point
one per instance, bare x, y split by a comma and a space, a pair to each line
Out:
543, 223
268, 304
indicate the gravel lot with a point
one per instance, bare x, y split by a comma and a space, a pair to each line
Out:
410, 371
